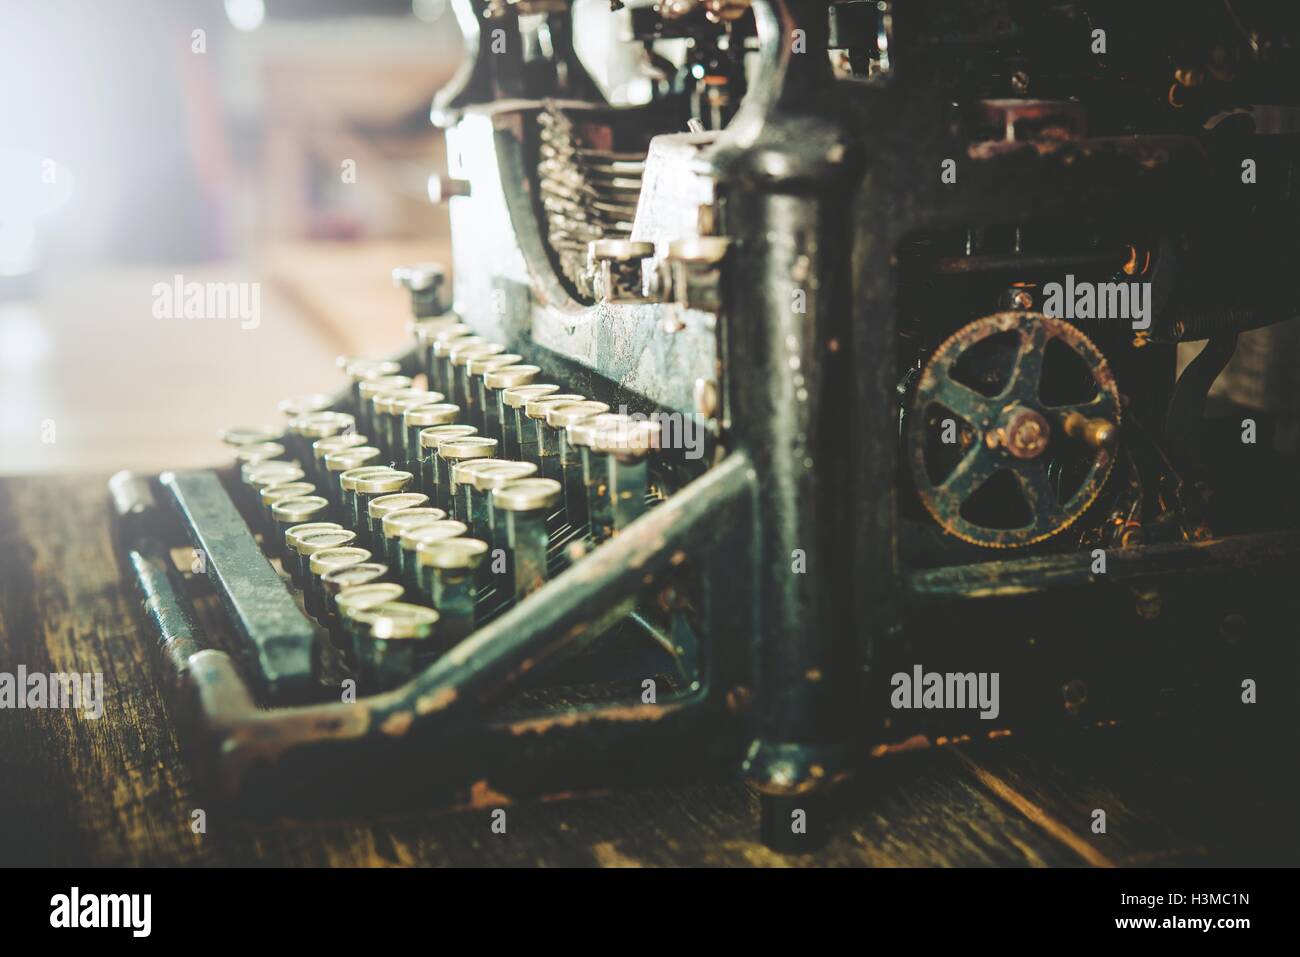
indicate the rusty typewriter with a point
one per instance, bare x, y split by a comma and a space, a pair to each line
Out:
792, 347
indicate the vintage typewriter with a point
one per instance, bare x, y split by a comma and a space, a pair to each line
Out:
795, 347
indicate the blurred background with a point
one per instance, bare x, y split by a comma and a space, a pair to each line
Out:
146, 145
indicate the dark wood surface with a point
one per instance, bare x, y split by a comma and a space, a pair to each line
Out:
116, 791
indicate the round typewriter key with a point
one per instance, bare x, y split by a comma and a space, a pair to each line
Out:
495, 382
470, 507
568, 457
395, 523
458, 356
356, 598
441, 351
417, 419
368, 489
358, 369
327, 560
448, 579
492, 475
249, 435
516, 426
335, 443
388, 409
427, 335
523, 507
484, 401
256, 452
595, 472
307, 428
367, 389
258, 475
307, 544
277, 492
429, 439
304, 404
398, 634
627, 445
541, 444
345, 460
339, 579
384, 505
412, 538
295, 517
289, 542
348, 491
424, 282
451, 451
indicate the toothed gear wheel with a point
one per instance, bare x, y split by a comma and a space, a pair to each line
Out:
1003, 435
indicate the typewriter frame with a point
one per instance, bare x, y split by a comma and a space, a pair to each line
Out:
789, 654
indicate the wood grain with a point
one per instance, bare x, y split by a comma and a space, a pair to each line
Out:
116, 791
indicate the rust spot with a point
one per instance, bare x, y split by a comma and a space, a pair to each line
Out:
481, 795
427, 704
916, 742
574, 718
398, 724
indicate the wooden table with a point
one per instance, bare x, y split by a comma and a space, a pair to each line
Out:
116, 791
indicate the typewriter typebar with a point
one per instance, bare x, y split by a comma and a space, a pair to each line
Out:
845, 355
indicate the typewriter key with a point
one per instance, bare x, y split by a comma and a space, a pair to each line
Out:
256, 452
424, 282
344, 460
327, 560
367, 389
568, 457
495, 382
307, 428
358, 369
442, 348
484, 400
449, 580
417, 419
395, 523
425, 332
462, 483
249, 435
493, 473
336, 580
458, 356
595, 472
294, 518
366, 488
516, 427
429, 439
386, 505
305, 404
616, 264
348, 490
627, 446
277, 492
307, 544
427, 336
523, 506
451, 451
410, 539
356, 598
398, 633
335, 443
258, 475
388, 408
542, 444
289, 540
